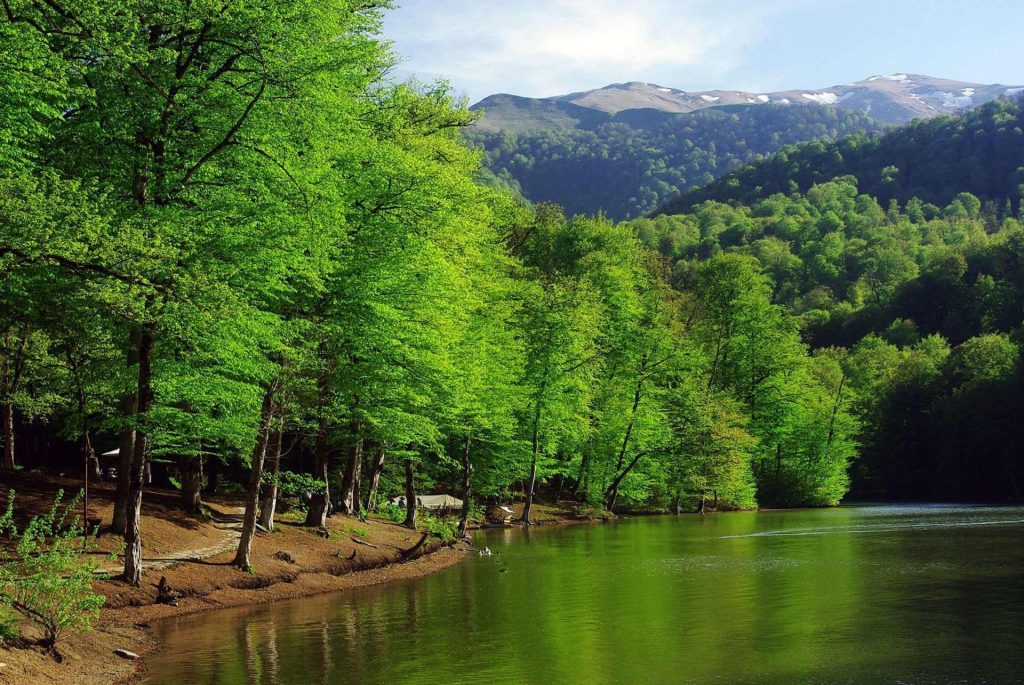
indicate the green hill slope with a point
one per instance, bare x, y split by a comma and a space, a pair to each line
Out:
980, 152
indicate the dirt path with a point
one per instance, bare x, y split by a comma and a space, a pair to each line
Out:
228, 522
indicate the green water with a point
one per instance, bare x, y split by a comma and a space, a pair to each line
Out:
929, 594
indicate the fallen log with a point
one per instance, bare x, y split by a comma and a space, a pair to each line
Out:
406, 553
360, 542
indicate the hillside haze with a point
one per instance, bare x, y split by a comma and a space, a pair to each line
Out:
893, 99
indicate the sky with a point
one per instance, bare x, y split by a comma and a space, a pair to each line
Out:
540, 48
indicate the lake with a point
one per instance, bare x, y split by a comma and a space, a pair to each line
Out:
858, 594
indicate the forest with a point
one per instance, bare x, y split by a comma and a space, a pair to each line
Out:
232, 234
979, 151
921, 305
224, 233
638, 160
925, 301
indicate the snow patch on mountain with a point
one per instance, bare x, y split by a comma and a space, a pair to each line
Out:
950, 99
762, 98
710, 98
822, 98
1014, 91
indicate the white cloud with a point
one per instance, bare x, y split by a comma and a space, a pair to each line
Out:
556, 46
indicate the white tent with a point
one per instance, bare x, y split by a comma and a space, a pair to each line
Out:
112, 453
432, 502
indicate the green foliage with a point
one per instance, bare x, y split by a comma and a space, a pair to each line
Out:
292, 483
292, 230
10, 626
7, 527
392, 512
929, 161
926, 300
444, 527
49, 579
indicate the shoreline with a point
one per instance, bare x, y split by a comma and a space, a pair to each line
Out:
307, 584
311, 584
291, 562
320, 566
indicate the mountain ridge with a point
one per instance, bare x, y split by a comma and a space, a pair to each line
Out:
894, 99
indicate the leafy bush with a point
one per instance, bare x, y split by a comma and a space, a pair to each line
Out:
49, 579
10, 630
392, 512
291, 483
444, 527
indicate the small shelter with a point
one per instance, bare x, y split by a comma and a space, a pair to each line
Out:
441, 504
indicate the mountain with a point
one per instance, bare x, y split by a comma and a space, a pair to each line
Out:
979, 152
627, 149
893, 99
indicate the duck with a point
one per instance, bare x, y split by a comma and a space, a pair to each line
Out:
485, 552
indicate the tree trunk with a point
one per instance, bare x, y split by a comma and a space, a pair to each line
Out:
353, 472
269, 502
676, 507
703, 501
583, 479
467, 471
612, 493
133, 534
252, 496
410, 495
532, 482
561, 489
126, 444
212, 476
316, 516
192, 484
7, 417
375, 472
11, 380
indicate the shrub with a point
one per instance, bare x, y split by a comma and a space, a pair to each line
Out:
439, 526
291, 483
10, 630
49, 579
392, 512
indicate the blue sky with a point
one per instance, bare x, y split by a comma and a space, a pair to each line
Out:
550, 47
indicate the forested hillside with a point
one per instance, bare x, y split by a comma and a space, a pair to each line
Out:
631, 163
980, 152
921, 305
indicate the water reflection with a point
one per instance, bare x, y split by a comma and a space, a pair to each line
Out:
868, 594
